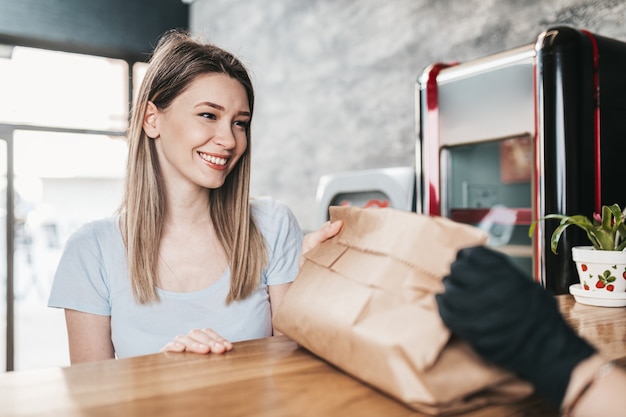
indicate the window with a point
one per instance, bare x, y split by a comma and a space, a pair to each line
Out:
63, 116
58, 89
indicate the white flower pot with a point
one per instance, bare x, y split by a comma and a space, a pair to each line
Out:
600, 270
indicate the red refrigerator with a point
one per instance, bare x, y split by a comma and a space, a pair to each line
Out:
511, 137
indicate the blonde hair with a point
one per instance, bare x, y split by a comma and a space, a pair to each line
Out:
176, 61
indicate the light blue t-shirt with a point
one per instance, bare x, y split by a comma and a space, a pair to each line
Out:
92, 277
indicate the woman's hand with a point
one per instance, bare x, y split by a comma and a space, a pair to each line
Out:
199, 341
313, 239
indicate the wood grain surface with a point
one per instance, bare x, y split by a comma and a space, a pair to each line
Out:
266, 377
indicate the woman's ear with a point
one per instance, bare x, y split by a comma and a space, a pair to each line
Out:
151, 121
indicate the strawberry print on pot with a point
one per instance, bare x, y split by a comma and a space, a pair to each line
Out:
605, 280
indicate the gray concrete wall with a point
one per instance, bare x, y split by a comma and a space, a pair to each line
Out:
335, 79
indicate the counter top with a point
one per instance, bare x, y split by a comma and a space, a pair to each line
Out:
267, 377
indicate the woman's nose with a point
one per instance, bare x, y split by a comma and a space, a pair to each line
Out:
224, 136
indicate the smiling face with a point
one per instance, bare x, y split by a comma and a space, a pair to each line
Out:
202, 134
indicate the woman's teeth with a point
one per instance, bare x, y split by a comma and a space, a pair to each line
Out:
213, 159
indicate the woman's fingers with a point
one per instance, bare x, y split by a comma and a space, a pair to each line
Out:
211, 339
313, 239
327, 231
173, 347
199, 341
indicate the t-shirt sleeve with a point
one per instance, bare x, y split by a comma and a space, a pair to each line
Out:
80, 279
283, 239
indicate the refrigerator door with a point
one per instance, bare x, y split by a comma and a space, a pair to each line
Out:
580, 138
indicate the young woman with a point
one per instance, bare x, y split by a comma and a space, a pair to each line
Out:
188, 252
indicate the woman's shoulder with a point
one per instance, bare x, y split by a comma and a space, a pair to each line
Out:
268, 205
98, 229
270, 213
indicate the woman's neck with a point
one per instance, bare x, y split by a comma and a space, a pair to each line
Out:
188, 209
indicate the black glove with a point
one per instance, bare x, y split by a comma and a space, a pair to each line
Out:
511, 320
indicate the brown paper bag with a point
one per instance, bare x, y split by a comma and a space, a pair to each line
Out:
364, 301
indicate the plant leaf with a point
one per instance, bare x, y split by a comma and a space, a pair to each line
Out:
533, 225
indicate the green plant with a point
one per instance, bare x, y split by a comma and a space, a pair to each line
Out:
605, 232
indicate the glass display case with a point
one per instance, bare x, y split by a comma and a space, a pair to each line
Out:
488, 184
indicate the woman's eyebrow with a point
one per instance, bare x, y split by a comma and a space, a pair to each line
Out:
221, 108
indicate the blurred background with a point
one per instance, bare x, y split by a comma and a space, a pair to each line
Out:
335, 85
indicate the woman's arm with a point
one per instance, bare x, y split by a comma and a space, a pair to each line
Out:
277, 292
311, 240
89, 336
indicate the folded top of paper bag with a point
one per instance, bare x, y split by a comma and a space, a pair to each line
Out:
409, 237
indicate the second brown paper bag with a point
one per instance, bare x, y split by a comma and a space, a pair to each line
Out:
364, 301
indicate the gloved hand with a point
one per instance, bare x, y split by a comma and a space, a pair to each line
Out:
511, 320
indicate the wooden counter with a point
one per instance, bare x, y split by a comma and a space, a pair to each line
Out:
270, 377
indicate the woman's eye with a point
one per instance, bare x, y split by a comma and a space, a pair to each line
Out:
208, 116
242, 124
